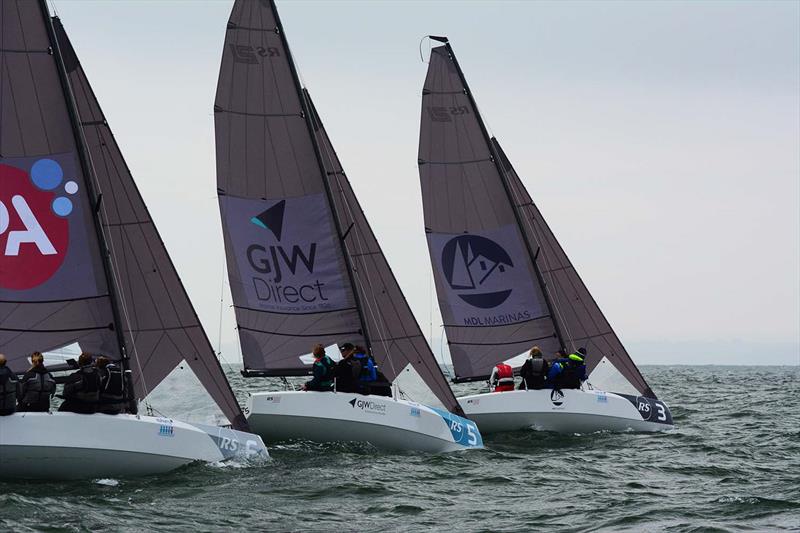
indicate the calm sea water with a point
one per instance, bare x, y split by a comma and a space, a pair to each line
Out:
732, 464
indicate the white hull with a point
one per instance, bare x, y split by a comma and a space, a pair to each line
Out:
69, 445
381, 421
577, 411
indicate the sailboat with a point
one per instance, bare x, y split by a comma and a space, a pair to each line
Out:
82, 264
303, 263
504, 283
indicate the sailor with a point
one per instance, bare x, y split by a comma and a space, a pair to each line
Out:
576, 369
112, 387
37, 387
347, 370
568, 372
368, 369
534, 371
324, 369
502, 378
8, 388
82, 388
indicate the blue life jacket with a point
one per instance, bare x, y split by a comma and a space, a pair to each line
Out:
369, 372
557, 367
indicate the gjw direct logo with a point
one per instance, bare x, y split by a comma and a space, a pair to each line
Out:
368, 406
278, 261
474, 267
34, 227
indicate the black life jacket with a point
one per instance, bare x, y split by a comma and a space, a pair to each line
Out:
8, 390
534, 373
345, 381
86, 389
570, 376
113, 384
38, 387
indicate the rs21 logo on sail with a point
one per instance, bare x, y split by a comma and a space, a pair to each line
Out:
36, 201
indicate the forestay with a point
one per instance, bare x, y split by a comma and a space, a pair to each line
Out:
303, 263
160, 324
493, 254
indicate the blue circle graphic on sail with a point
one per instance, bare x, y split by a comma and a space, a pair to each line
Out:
473, 266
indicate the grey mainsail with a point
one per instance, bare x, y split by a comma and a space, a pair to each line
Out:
303, 263
160, 324
288, 275
492, 306
471, 196
53, 287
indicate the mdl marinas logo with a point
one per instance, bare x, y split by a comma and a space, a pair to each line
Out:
474, 268
486, 278
35, 206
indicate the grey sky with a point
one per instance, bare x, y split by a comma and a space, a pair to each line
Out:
660, 140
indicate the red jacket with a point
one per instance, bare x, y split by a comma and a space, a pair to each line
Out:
502, 379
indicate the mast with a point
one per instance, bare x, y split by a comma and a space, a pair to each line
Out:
86, 167
506, 188
318, 154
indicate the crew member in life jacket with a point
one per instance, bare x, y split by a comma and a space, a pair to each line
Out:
112, 387
369, 370
568, 372
37, 387
8, 388
502, 378
347, 370
323, 371
82, 388
534, 371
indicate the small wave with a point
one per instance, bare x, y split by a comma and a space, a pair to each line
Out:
408, 509
106, 482
761, 502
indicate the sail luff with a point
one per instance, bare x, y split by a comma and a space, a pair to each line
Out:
156, 301
337, 223
496, 160
84, 158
